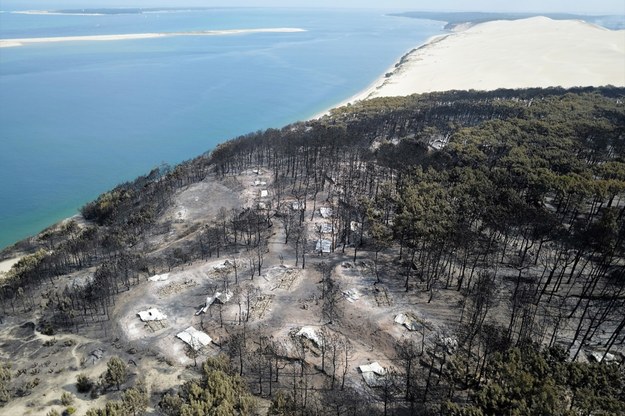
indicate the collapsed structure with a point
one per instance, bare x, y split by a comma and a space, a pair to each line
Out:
218, 297
325, 228
323, 246
373, 374
194, 338
408, 320
325, 212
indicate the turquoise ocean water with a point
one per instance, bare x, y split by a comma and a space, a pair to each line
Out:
77, 118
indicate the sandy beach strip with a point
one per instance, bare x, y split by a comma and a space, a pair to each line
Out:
26, 41
534, 52
6, 265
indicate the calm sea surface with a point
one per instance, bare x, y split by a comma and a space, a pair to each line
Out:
77, 118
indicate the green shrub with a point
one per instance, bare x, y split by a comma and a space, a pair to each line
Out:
95, 393
48, 330
83, 383
49, 342
116, 373
67, 398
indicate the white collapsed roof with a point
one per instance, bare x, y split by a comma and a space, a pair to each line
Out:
408, 320
310, 333
224, 266
598, 356
152, 314
374, 367
194, 338
222, 297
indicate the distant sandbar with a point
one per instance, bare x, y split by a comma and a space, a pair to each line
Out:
5, 43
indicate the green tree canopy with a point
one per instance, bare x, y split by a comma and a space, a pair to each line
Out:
116, 372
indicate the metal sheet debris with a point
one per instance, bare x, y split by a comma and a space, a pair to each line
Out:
351, 295
218, 297
325, 212
224, 266
158, 277
408, 320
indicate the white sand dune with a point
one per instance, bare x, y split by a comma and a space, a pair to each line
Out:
535, 52
25, 41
